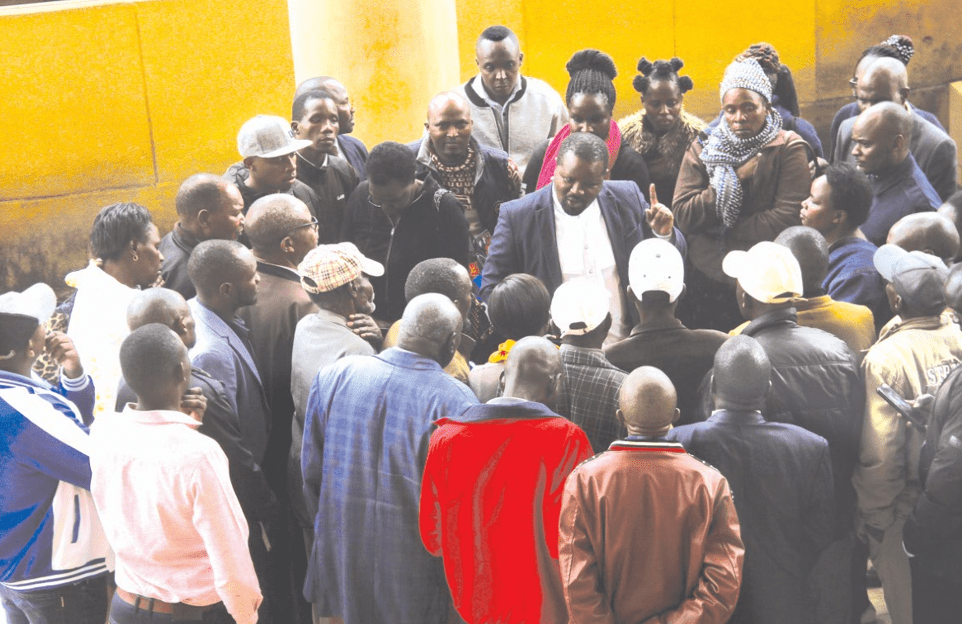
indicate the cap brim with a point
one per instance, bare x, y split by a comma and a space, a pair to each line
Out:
885, 259
735, 263
370, 267
294, 146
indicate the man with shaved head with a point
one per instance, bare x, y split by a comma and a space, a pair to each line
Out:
930, 232
481, 177
220, 423
513, 113
347, 147
225, 276
168, 308
880, 147
367, 426
181, 541
646, 510
491, 494
208, 207
282, 231
447, 277
952, 210
886, 80
782, 477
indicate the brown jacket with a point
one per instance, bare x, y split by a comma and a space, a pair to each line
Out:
649, 534
772, 201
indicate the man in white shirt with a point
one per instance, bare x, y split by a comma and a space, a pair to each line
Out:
511, 112
579, 226
164, 497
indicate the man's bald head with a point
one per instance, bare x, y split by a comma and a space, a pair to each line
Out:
154, 363
952, 210
926, 231
431, 327
449, 127
884, 80
448, 99
647, 402
742, 375
881, 137
444, 276
164, 306
273, 218
338, 91
532, 371
208, 206
811, 250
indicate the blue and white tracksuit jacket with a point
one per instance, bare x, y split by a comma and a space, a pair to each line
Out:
50, 534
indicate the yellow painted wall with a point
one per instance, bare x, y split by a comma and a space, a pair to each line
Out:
819, 39
107, 102
392, 56
110, 101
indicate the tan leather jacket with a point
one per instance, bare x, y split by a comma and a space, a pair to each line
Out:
649, 534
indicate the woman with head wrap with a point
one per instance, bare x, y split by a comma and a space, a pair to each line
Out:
784, 98
741, 184
591, 99
898, 47
661, 131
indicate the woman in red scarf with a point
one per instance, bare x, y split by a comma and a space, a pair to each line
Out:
591, 99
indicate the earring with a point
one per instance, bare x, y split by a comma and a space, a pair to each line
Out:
136, 258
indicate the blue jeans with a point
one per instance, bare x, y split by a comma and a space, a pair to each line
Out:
122, 612
79, 603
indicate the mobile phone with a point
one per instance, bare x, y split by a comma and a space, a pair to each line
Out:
901, 406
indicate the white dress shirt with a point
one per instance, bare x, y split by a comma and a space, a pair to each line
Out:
584, 250
165, 500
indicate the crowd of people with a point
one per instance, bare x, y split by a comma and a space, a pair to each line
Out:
538, 365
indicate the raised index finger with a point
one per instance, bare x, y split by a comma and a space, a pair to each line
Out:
653, 194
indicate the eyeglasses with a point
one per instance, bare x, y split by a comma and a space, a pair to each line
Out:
854, 84
313, 224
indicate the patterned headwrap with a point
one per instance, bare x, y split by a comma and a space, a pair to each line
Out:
724, 151
747, 74
903, 47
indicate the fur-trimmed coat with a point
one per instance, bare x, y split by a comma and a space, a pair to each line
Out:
663, 154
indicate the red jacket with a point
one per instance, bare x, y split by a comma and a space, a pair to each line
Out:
490, 505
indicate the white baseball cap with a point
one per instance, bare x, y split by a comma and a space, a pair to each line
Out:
38, 301
768, 272
656, 265
579, 306
268, 136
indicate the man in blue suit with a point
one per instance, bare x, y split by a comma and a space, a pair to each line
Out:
579, 226
225, 276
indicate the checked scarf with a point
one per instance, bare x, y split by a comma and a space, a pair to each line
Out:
722, 154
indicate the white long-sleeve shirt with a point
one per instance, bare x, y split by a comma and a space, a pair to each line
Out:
165, 500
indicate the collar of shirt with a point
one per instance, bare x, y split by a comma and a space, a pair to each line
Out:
278, 271
584, 356
584, 248
157, 417
480, 90
316, 166
894, 177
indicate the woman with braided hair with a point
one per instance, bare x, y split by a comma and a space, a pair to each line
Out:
898, 47
742, 183
784, 98
661, 131
590, 99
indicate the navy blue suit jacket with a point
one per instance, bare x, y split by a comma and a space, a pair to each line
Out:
354, 152
524, 240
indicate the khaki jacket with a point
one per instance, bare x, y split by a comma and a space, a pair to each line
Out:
913, 357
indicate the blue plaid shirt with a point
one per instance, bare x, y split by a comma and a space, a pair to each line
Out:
368, 424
